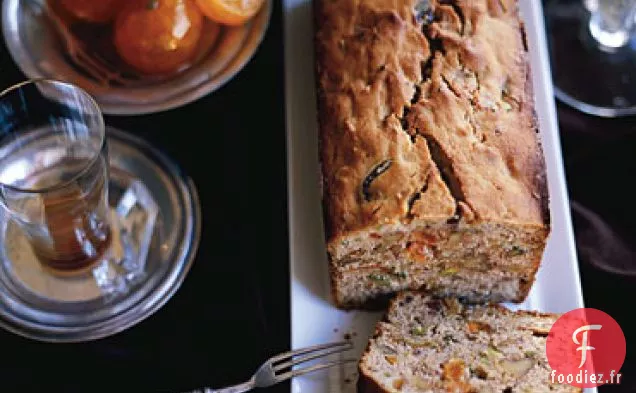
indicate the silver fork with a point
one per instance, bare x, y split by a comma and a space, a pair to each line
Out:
91, 63
279, 368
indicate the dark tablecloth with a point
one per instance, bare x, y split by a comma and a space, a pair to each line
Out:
600, 161
233, 309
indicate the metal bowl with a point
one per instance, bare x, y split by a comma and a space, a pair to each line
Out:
34, 46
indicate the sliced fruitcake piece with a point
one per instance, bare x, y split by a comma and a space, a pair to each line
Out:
428, 344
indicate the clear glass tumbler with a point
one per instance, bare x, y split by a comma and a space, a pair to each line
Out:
593, 54
54, 173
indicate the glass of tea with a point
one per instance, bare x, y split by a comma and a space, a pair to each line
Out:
54, 173
592, 54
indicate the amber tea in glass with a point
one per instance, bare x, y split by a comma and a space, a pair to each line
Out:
54, 172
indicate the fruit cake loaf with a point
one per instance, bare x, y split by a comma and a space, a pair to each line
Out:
433, 173
441, 345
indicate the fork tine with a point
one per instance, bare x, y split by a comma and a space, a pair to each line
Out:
85, 63
97, 56
311, 356
115, 74
87, 60
95, 63
315, 348
311, 369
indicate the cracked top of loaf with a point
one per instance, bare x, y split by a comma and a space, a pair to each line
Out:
426, 113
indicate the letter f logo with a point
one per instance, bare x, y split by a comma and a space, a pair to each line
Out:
584, 347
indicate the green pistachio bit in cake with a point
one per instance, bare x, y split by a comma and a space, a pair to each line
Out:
380, 279
507, 107
492, 352
516, 250
418, 330
449, 272
400, 274
419, 343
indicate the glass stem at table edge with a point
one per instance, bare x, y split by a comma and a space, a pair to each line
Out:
611, 22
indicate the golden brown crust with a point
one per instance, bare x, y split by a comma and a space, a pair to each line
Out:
408, 92
366, 383
369, 56
486, 130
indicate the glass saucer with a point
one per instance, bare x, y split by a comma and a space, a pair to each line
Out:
156, 232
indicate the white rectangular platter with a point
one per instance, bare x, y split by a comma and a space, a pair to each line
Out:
314, 319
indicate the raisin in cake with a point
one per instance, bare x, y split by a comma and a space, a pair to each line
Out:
433, 173
433, 345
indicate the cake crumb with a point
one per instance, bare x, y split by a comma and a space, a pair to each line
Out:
335, 330
347, 336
